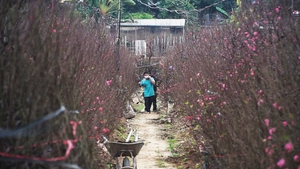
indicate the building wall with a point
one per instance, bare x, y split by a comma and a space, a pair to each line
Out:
158, 39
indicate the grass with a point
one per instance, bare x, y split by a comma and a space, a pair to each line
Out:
173, 147
138, 107
161, 163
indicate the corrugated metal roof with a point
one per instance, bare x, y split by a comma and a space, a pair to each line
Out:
155, 22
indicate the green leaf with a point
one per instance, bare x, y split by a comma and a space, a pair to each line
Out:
222, 11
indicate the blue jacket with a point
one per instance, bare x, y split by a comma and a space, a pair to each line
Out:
148, 87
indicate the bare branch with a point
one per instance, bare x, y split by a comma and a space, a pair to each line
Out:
152, 5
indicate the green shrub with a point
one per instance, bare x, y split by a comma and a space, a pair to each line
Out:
141, 15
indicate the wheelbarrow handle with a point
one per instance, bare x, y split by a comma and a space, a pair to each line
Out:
129, 135
105, 139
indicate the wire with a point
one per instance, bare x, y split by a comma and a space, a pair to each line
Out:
155, 6
26, 131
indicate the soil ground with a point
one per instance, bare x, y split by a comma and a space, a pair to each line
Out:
167, 143
155, 152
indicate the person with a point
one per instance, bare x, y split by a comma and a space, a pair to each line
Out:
154, 101
147, 82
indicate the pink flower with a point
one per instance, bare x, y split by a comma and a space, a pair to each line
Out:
268, 151
260, 101
277, 9
100, 108
296, 158
252, 72
255, 33
275, 105
272, 130
267, 121
284, 123
108, 82
105, 130
281, 162
95, 127
269, 137
289, 147
54, 30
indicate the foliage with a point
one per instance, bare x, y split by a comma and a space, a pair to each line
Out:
141, 15
238, 86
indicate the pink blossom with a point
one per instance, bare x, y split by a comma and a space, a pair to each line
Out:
275, 105
277, 9
97, 98
260, 92
268, 151
284, 123
279, 107
281, 163
95, 127
278, 18
272, 130
105, 130
252, 72
54, 30
100, 109
267, 121
296, 158
260, 101
249, 46
289, 147
108, 82
269, 137
255, 33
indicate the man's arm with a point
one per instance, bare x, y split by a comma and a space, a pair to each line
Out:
152, 81
141, 83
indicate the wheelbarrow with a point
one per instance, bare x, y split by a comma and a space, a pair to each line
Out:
124, 151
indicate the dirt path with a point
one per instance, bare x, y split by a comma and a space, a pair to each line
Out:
155, 150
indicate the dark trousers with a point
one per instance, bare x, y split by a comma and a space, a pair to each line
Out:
148, 103
154, 102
